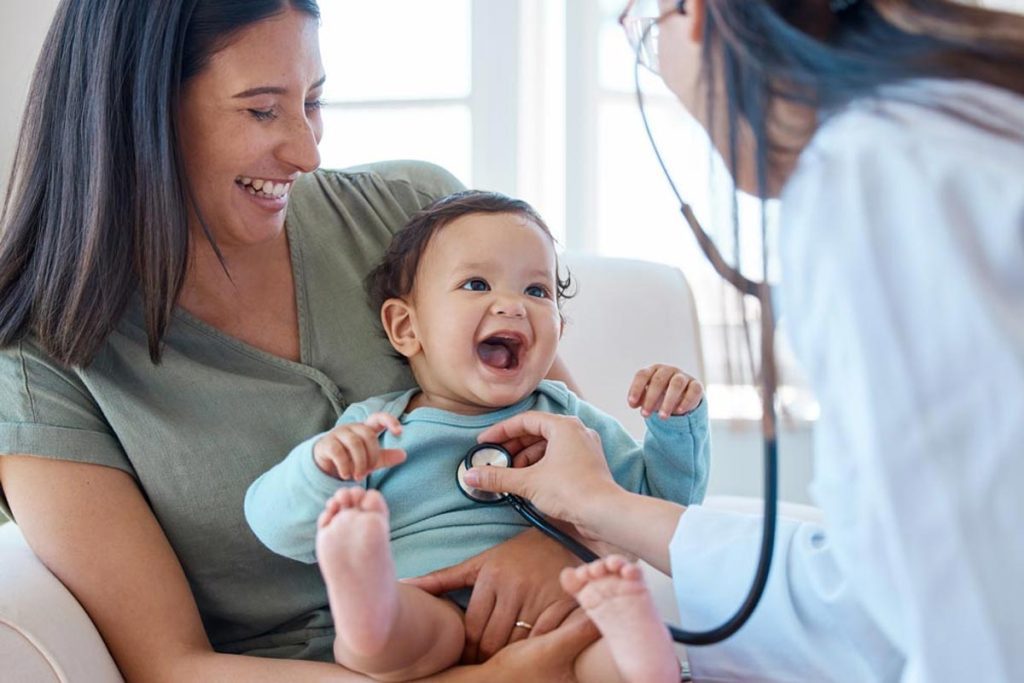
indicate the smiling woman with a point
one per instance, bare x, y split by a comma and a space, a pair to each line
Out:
180, 302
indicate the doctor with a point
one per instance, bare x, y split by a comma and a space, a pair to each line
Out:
894, 132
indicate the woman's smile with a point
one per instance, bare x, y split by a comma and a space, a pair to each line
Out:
270, 195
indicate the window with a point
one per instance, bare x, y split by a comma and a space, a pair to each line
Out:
396, 89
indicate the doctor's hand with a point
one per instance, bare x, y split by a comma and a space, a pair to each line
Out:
514, 581
565, 480
352, 451
665, 390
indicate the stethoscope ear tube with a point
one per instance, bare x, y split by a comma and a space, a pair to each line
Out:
768, 379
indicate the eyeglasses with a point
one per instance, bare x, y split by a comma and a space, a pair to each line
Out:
640, 20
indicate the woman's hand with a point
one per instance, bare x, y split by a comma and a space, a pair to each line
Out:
514, 581
664, 389
565, 480
547, 658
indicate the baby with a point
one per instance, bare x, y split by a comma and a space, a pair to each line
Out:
469, 294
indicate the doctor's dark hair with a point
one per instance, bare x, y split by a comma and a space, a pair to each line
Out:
823, 54
97, 204
395, 276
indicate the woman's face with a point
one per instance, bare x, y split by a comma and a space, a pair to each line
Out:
250, 124
679, 55
680, 63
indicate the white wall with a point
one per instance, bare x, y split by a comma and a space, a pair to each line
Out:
22, 29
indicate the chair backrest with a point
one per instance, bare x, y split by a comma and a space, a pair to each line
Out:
627, 314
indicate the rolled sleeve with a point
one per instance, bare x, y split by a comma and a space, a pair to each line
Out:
47, 411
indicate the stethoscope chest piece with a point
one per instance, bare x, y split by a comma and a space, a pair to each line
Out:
483, 455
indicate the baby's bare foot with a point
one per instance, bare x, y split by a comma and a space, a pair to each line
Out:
355, 558
612, 592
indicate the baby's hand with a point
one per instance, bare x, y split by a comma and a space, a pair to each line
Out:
352, 451
664, 389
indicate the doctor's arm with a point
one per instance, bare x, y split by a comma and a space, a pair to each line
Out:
809, 624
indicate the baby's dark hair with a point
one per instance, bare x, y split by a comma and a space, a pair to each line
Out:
395, 276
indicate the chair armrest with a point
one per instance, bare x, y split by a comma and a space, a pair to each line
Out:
45, 635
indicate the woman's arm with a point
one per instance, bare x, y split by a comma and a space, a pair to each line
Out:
92, 528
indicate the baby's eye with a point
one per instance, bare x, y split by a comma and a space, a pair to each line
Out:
263, 114
539, 291
476, 285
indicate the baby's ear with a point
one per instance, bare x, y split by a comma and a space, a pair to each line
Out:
398, 319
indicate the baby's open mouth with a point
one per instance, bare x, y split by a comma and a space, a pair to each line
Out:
500, 351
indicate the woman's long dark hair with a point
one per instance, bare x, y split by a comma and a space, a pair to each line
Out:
97, 204
763, 53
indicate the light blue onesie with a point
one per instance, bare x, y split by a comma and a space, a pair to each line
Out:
432, 524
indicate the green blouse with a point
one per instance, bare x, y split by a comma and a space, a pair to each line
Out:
197, 429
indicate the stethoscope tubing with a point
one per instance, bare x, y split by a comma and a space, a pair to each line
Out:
537, 519
762, 292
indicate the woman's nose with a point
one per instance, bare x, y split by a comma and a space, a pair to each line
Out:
300, 148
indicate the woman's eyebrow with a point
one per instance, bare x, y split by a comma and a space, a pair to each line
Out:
272, 90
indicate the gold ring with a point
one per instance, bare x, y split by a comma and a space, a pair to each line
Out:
523, 624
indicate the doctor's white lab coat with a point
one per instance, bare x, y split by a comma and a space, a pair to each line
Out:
903, 294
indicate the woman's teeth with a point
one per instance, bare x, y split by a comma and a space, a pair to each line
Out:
264, 188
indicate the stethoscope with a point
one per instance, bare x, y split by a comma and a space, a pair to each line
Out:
495, 455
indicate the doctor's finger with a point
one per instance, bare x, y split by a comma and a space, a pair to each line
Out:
533, 423
519, 443
500, 480
530, 455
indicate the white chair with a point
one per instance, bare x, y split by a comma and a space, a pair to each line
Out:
627, 314
45, 635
